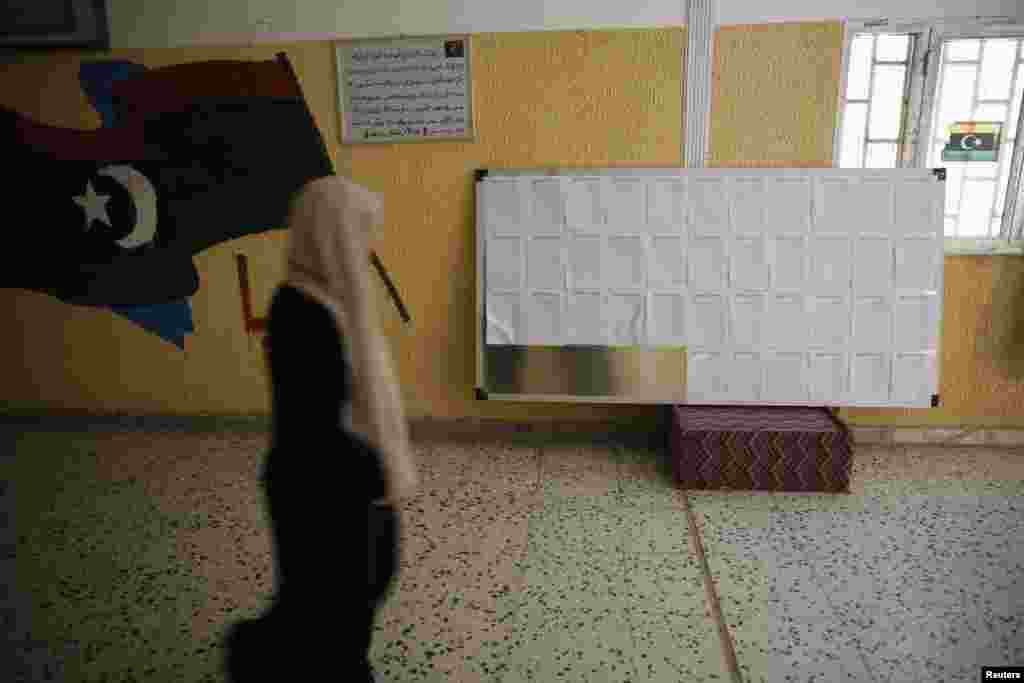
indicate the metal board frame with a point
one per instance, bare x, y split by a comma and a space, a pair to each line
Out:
482, 390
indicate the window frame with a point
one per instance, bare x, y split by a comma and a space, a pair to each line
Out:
918, 114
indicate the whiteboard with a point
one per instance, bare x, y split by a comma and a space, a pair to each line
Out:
405, 89
785, 286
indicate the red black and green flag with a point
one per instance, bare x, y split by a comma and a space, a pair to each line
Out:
172, 321
199, 154
973, 141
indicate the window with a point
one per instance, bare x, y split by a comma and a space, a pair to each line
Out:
875, 97
903, 87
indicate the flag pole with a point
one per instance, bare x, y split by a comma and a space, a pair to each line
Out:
392, 290
282, 59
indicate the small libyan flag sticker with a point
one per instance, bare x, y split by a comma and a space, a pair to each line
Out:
973, 141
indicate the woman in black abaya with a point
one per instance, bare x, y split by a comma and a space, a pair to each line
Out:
339, 455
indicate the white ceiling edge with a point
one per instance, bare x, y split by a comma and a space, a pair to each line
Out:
230, 22
777, 11
191, 22
257, 37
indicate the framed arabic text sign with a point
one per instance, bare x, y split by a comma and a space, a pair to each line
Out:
405, 89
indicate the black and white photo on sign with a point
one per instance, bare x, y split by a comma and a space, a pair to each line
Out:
453, 49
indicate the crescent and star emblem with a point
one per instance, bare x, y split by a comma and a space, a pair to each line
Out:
143, 196
967, 145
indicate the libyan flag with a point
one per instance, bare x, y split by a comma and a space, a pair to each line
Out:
172, 321
973, 141
199, 154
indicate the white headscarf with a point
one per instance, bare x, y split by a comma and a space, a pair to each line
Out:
331, 224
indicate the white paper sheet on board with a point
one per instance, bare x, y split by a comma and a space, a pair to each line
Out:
838, 209
874, 207
827, 378
748, 320
914, 323
627, 263
585, 319
626, 206
787, 206
747, 195
668, 263
585, 261
744, 377
784, 377
830, 320
913, 378
873, 265
790, 263
544, 319
625, 313
504, 206
915, 264
708, 207
504, 263
544, 266
872, 324
666, 207
503, 318
705, 377
750, 266
584, 210
788, 329
830, 265
916, 207
709, 316
668, 319
707, 265
870, 377
548, 214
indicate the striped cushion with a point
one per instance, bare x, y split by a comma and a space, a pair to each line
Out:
762, 449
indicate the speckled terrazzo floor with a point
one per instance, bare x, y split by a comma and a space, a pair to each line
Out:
125, 555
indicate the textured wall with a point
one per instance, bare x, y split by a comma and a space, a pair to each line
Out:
542, 99
774, 94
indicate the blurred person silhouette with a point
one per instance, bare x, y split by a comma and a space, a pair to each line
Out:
339, 455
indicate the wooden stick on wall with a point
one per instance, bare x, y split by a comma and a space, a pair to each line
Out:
251, 323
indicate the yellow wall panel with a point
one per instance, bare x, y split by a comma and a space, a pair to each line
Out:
774, 94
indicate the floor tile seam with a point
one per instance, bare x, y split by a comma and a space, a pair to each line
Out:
725, 638
539, 449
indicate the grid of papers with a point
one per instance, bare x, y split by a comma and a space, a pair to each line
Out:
811, 287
